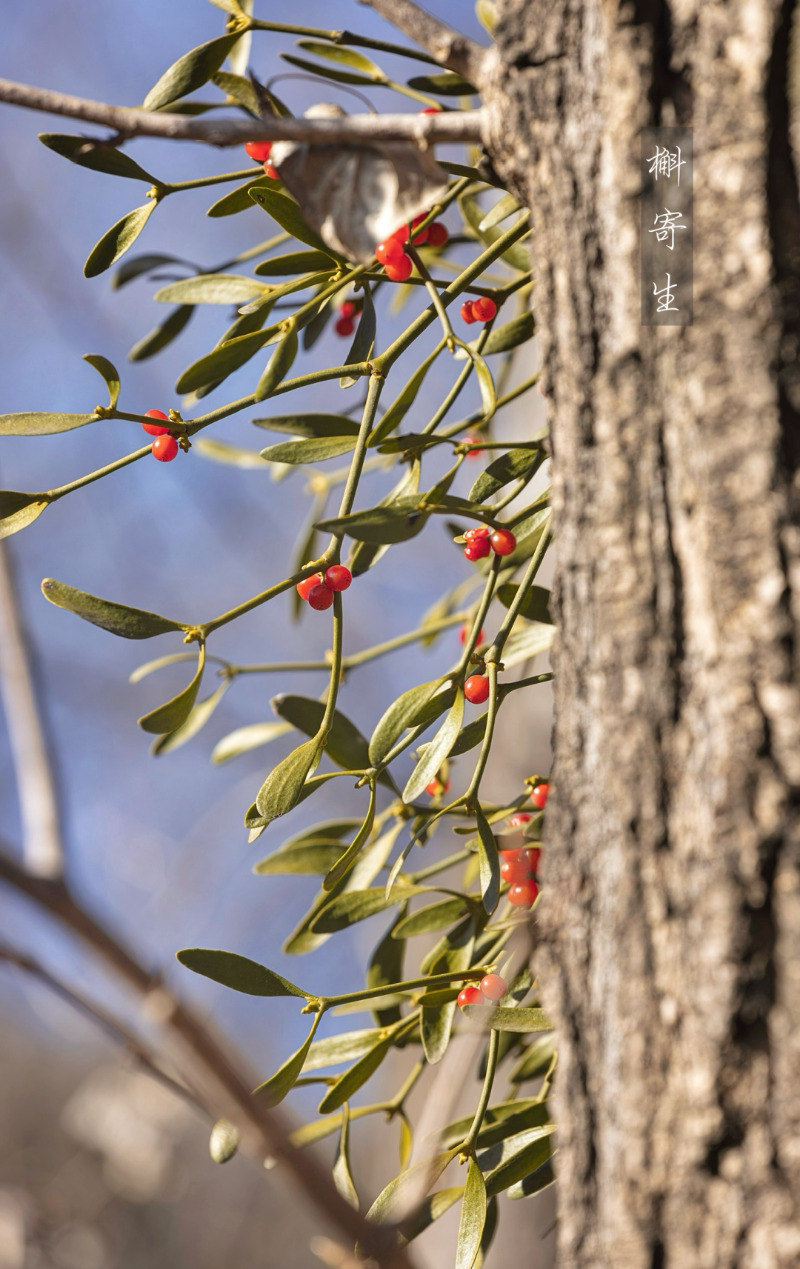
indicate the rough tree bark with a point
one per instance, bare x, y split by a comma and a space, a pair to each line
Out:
671, 911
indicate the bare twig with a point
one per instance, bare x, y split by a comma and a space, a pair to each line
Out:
223, 1084
451, 49
38, 803
454, 125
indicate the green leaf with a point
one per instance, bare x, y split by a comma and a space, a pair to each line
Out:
503, 1120
28, 424
399, 716
470, 736
281, 789
91, 152
161, 335
273, 1090
240, 89
224, 1141
212, 288
516, 255
191, 71
485, 383
473, 1218
519, 1156
402, 404
338, 53
527, 642
18, 510
448, 84
230, 455
197, 719
343, 865
356, 1075
239, 200
437, 751
436, 916
310, 425
453, 952
428, 1211
288, 216
327, 72
437, 1022
109, 373
312, 450
402, 1188
363, 340
435, 1026
119, 619
386, 963
117, 240
518, 1019
535, 1060
534, 1182
295, 262
224, 359
174, 714
278, 366
513, 465
503, 208
336, 1049
137, 265
359, 905
313, 858
487, 14
511, 335
246, 738
237, 972
344, 743
535, 606
396, 522
489, 862
342, 1176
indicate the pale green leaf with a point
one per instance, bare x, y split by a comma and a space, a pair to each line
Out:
489, 862
501, 1018
246, 738
18, 510
197, 719
117, 240
38, 424
109, 373
175, 713
162, 335
278, 366
119, 619
191, 71
288, 216
273, 1090
437, 751
473, 1218
311, 450
212, 288
237, 972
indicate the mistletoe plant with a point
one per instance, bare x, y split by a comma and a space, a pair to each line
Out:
312, 269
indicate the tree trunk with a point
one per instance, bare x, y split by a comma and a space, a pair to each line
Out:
670, 917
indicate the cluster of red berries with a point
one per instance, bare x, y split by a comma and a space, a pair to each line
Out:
518, 868
164, 447
260, 151
481, 540
480, 310
349, 313
492, 988
392, 254
318, 589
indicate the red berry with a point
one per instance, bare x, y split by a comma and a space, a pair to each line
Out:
469, 996
534, 854
479, 531
258, 150
400, 269
338, 577
473, 440
539, 795
390, 251
493, 987
502, 541
155, 429
435, 787
477, 549
476, 689
270, 171
344, 326
164, 448
523, 894
484, 309
437, 234
431, 110
423, 234
305, 587
520, 869
464, 632
467, 313
349, 308
320, 597
520, 819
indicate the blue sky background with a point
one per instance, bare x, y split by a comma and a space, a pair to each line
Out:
156, 846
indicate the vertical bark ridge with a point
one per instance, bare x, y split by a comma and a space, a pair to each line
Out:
670, 917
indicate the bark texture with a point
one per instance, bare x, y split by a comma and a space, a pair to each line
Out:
671, 910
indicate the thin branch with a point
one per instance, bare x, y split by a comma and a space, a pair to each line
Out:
447, 126
451, 49
36, 787
222, 1082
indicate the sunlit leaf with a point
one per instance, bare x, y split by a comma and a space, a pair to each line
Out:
518, 1157
512, 465
239, 200
175, 713
211, 288
534, 1182
335, 1049
489, 861
281, 789
436, 916
516, 255
352, 1079
273, 1090
406, 1187
511, 335
161, 335
191, 71
359, 905
448, 84
343, 865
278, 366
312, 450
117, 240
504, 1019
399, 716
230, 455
342, 1176
437, 751
18, 510
428, 1211
237, 972
310, 425
473, 1218
504, 207
288, 216
197, 719
338, 53
396, 522
224, 359
344, 743
526, 642
119, 619
238, 86
295, 262
109, 373
102, 156
363, 340
402, 403
37, 424
224, 1141
535, 606
246, 738
328, 72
